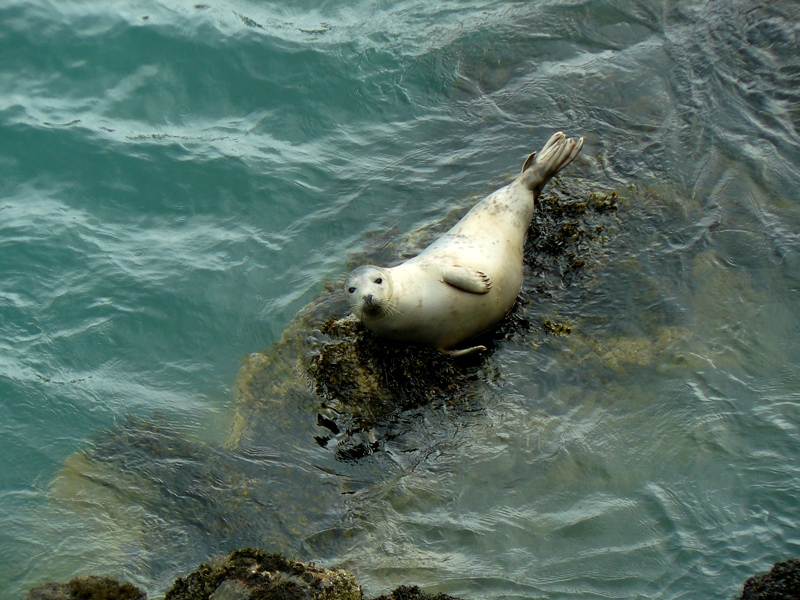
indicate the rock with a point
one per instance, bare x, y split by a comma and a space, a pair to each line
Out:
781, 583
329, 395
250, 574
413, 593
87, 588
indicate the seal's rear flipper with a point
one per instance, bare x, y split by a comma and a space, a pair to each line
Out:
463, 351
466, 279
528, 162
557, 153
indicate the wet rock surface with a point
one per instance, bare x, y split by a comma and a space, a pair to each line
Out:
250, 574
254, 574
781, 583
413, 593
244, 574
364, 382
313, 412
87, 588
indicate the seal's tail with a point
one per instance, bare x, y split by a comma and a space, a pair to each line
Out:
557, 153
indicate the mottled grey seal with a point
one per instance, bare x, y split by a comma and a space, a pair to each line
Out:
467, 280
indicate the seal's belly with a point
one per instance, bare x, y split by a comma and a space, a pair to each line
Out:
436, 313
427, 310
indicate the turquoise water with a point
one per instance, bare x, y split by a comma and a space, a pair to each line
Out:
177, 180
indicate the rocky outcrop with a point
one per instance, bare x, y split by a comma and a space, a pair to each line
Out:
405, 592
245, 574
781, 583
87, 588
252, 574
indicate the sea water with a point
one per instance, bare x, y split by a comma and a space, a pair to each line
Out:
178, 179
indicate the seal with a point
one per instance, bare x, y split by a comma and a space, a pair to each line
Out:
466, 281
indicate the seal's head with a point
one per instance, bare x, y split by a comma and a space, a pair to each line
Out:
369, 292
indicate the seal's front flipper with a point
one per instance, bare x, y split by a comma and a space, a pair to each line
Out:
468, 280
464, 351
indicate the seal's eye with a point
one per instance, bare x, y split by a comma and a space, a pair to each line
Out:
352, 290
379, 281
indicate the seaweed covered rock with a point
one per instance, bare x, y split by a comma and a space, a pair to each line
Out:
413, 593
356, 367
87, 588
781, 583
252, 574
364, 382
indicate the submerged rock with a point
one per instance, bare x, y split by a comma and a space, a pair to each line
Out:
350, 389
781, 583
87, 588
314, 411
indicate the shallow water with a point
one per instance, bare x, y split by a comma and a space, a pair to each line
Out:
177, 180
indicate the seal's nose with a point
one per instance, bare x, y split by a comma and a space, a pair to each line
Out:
367, 299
